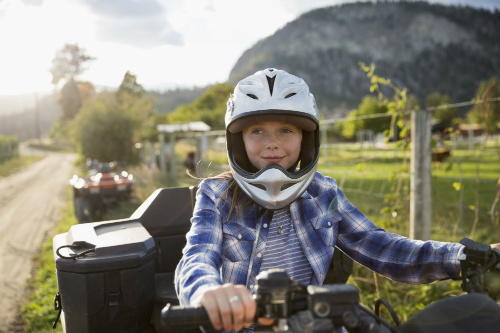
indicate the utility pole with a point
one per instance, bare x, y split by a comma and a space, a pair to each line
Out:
37, 117
420, 183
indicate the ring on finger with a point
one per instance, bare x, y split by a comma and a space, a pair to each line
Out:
234, 299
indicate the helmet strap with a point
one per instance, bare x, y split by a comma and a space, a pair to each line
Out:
270, 213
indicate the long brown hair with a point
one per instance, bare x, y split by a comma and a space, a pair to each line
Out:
233, 194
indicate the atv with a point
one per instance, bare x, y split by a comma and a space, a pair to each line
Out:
118, 276
101, 187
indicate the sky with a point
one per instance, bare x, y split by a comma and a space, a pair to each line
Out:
165, 43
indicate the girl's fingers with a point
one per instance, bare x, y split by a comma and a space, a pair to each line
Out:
229, 307
209, 302
237, 310
249, 305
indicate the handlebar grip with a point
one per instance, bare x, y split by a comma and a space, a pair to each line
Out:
180, 318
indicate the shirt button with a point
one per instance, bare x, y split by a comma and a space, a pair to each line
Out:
321, 275
259, 255
251, 286
297, 221
329, 223
239, 236
265, 225
308, 249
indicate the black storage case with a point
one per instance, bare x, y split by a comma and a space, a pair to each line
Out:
111, 289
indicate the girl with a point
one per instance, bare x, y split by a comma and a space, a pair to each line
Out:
273, 210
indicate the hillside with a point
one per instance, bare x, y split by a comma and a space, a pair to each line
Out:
168, 101
30, 122
424, 47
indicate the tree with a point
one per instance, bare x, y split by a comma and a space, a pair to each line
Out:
369, 106
108, 126
68, 63
70, 100
487, 113
107, 130
445, 114
209, 107
397, 105
129, 86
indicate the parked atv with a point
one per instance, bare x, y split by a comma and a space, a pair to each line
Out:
101, 187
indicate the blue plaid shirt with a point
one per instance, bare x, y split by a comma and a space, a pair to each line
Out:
229, 249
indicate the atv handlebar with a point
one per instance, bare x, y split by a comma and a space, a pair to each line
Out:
181, 318
327, 308
299, 308
480, 269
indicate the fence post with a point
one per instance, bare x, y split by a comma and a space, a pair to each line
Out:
470, 135
324, 142
420, 182
172, 172
163, 167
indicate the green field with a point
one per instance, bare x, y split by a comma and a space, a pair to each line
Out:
462, 186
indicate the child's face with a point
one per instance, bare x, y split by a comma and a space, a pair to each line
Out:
272, 143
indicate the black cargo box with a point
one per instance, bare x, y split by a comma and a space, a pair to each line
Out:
110, 288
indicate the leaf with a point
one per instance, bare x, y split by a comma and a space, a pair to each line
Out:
391, 176
457, 186
472, 207
361, 166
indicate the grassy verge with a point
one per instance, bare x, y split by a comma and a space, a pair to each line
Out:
52, 146
38, 311
17, 163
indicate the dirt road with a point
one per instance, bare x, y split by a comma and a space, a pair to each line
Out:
30, 203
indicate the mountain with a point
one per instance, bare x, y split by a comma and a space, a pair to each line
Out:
168, 101
423, 47
10, 104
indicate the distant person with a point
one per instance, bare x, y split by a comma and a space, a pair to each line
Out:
273, 210
190, 163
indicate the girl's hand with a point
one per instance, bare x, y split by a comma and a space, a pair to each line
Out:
495, 246
229, 307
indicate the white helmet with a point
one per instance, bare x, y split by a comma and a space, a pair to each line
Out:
272, 95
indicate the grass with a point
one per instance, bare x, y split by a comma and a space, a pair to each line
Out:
38, 311
52, 146
462, 186
17, 163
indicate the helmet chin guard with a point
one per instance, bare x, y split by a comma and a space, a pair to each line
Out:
273, 187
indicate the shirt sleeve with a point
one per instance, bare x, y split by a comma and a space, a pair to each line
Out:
200, 265
396, 257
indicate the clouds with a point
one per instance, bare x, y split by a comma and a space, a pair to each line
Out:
179, 42
139, 23
32, 2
